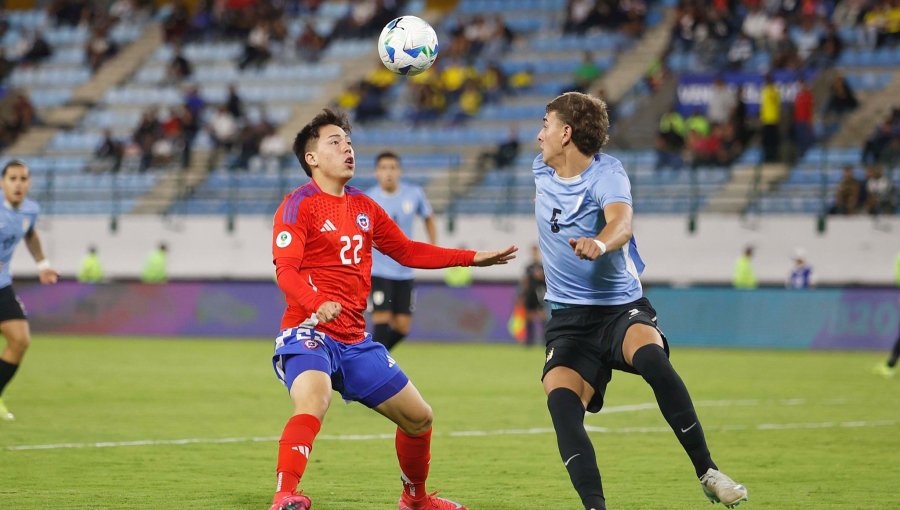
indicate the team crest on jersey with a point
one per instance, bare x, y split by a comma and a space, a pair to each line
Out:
311, 344
362, 219
407, 206
283, 239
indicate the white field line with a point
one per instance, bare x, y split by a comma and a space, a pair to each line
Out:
500, 432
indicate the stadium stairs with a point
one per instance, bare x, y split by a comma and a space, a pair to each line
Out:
747, 182
874, 108
113, 72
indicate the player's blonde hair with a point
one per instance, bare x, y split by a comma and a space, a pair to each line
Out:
588, 117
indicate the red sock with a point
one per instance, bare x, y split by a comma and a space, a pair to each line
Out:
293, 452
414, 454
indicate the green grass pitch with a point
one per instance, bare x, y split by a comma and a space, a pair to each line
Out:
801, 429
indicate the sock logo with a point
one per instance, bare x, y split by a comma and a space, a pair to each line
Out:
302, 450
689, 428
566, 463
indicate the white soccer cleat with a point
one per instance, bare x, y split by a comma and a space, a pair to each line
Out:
719, 488
5, 415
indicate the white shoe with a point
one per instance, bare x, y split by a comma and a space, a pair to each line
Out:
719, 488
5, 415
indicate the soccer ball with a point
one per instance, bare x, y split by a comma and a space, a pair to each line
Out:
408, 45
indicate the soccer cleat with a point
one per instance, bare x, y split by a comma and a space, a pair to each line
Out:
430, 502
719, 488
884, 371
292, 502
5, 415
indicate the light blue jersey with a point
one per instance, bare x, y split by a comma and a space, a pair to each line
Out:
14, 224
569, 208
403, 205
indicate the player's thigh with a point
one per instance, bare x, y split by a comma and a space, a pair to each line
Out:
408, 410
311, 393
565, 377
402, 297
637, 336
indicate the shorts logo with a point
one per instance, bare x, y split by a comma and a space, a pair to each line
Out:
549, 354
378, 298
633, 312
362, 219
283, 239
311, 344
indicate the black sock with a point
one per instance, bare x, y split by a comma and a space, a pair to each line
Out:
530, 331
394, 338
675, 403
382, 333
575, 446
895, 354
7, 371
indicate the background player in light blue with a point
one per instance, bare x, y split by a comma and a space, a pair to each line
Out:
600, 320
17, 219
392, 284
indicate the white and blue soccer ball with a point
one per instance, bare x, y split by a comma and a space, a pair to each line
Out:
408, 45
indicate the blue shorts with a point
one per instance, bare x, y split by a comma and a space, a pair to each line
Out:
362, 372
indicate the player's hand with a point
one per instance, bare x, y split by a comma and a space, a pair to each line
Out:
328, 311
585, 248
48, 276
491, 258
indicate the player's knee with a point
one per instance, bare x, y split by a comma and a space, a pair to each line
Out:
420, 422
19, 343
652, 363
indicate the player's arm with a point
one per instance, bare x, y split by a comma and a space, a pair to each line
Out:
391, 241
46, 273
431, 229
616, 234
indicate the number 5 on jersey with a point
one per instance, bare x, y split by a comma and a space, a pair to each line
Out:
347, 241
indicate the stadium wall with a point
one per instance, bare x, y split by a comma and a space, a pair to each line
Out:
847, 319
852, 250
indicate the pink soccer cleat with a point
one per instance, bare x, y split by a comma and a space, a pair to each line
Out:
292, 502
430, 502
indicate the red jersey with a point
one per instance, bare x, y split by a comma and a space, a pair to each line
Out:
322, 249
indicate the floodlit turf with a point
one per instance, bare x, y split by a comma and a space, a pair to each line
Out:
801, 430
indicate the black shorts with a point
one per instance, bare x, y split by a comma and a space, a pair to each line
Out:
588, 339
395, 296
11, 308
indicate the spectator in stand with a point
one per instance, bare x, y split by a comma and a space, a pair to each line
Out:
6, 65
17, 115
586, 74
256, 47
194, 102
179, 69
756, 25
234, 104
145, 135
670, 140
190, 127
846, 197
371, 105
176, 25
579, 15
841, 99
741, 51
272, 149
99, 49
68, 12
503, 157
223, 129
310, 43
882, 24
770, 118
721, 102
494, 84
806, 37
875, 146
469, 101
110, 149
38, 50
803, 118
879, 192
830, 48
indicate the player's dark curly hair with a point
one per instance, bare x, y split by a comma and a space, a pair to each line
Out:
588, 117
11, 163
310, 133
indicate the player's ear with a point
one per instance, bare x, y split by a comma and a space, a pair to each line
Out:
311, 159
566, 134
